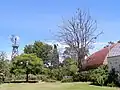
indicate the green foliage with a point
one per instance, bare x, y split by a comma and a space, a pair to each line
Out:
69, 67
99, 76
44, 78
113, 78
83, 76
46, 71
56, 74
26, 62
67, 80
4, 67
112, 84
41, 49
1, 78
40, 77
55, 57
32, 77
51, 80
70, 53
19, 77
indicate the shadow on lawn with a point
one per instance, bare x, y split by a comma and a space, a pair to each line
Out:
22, 81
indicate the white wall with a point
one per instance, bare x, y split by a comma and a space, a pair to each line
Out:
114, 62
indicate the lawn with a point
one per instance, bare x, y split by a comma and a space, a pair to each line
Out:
52, 86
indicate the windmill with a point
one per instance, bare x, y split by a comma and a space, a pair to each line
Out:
14, 39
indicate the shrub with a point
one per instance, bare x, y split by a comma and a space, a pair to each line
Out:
113, 78
67, 80
32, 77
55, 74
20, 77
83, 76
44, 78
100, 81
39, 77
50, 80
112, 84
8, 79
23, 77
1, 79
99, 76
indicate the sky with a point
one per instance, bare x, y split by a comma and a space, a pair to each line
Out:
39, 19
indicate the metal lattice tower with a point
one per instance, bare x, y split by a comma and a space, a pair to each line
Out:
15, 46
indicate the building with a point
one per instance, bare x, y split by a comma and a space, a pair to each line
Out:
114, 63
109, 55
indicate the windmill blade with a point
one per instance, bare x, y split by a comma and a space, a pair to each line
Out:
12, 38
17, 38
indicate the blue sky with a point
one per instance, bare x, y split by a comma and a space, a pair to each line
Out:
39, 19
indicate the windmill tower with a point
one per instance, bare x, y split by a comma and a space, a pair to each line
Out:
14, 39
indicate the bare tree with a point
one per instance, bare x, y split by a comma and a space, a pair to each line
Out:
79, 34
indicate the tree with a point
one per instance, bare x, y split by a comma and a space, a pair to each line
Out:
118, 41
28, 49
55, 57
79, 34
41, 49
69, 67
4, 66
109, 44
27, 64
69, 53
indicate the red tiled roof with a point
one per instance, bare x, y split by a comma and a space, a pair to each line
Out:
98, 57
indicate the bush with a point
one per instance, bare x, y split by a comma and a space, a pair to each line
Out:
32, 77
55, 74
44, 78
83, 76
23, 77
67, 80
100, 81
50, 80
8, 80
111, 84
39, 77
1, 79
99, 76
19, 77
113, 79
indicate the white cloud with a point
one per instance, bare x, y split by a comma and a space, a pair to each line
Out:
61, 46
100, 43
98, 46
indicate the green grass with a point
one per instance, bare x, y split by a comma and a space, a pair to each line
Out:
52, 86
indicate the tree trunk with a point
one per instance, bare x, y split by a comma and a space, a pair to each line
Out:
27, 75
79, 65
80, 60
